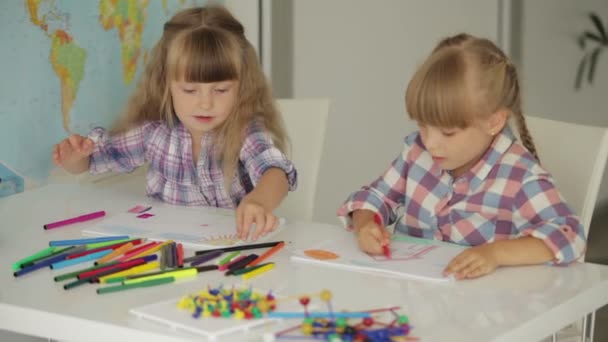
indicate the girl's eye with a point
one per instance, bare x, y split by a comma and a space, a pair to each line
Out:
188, 91
448, 134
221, 90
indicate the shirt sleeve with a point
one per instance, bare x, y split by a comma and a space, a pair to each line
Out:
259, 154
122, 152
384, 196
543, 214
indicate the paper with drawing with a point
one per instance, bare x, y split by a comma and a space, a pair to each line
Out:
195, 227
411, 257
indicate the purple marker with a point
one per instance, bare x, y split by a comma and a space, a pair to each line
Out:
78, 219
199, 259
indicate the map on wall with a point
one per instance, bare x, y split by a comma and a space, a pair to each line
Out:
68, 66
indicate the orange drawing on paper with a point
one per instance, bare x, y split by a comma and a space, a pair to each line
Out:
321, 254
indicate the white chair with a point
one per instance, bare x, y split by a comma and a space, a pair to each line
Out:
576, 157
305, 121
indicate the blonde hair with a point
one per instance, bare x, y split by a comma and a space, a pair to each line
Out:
206, 44
466, 78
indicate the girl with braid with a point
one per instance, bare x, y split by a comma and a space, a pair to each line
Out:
463, 177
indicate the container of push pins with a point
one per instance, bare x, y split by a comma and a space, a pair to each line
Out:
346, 326
236, 303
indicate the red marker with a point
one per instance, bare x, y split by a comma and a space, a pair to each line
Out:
386, 249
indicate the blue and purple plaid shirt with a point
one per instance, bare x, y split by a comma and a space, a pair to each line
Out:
507, 194
172, 176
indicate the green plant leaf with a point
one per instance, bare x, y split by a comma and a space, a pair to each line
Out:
593, 36
599, 26
592, 63
581, 41
580, 72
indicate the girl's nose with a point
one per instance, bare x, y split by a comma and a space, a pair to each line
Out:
432, 140
205, 101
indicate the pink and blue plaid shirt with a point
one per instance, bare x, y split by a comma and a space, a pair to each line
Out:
172, 176
506, 195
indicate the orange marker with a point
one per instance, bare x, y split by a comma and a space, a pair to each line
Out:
267, 254
118, 251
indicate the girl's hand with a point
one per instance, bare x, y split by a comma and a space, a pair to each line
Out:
73, 153
250, 212
473, 262
372, 237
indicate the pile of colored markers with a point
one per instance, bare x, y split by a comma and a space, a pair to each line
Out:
132, 263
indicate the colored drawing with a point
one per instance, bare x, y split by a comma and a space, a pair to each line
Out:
321, 254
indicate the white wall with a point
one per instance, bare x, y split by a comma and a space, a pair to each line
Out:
361, 54
549, 60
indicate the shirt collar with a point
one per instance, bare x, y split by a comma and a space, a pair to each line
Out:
501, 143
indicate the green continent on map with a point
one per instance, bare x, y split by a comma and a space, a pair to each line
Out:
128, 17
66, 57
68, 60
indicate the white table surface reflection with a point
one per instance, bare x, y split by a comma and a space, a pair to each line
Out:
512, 304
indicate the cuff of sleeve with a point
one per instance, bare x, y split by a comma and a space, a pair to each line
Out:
362, 200
561, 240
97, 163
271, 161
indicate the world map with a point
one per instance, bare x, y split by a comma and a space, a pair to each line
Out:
69, 66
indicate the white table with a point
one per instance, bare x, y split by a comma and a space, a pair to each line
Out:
513, 304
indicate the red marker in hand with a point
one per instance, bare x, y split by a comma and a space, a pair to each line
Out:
386, 248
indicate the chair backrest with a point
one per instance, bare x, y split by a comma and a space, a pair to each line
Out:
305, 121
576, 156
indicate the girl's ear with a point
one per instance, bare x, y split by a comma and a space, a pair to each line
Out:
497, 121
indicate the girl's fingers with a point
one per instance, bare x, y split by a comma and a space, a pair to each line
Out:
477, 272
369, 241
64, 149
75, 141
271, 222
260, 223
239, 221
55, 156
386, 236
247, 221
458, 263
470, 267
87, 146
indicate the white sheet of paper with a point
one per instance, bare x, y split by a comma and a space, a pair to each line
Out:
410, 257
195, 227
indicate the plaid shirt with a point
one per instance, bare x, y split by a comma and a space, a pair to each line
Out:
506, 195
172, 176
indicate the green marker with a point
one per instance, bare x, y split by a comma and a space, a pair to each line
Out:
108, 243
228, 258
147, 283
38, 255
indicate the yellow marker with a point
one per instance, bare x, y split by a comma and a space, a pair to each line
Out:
257, 271
118, 251
151, 250
188, 272
133, 270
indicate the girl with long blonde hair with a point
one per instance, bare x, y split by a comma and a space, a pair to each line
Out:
204, 119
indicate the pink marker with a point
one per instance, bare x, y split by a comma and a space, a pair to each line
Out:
78, 219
